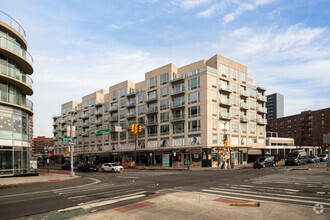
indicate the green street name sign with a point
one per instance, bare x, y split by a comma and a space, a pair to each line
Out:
103, 131
66, 139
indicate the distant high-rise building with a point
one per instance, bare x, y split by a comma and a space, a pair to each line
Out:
275, 106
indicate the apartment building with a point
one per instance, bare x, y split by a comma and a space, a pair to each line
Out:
15, 109
185, 113
39, 144
275, 106
307, 128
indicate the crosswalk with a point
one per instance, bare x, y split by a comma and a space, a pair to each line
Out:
98, 195
251, 193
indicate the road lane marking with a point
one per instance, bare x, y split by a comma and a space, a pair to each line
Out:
129, 177
108, 194
292, 190
76, 197
266, 197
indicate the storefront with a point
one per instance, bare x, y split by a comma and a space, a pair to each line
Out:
14, 161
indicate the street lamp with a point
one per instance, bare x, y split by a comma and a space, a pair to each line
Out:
225, 138
71, 134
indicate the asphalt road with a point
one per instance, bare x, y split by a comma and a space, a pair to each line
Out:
97, 191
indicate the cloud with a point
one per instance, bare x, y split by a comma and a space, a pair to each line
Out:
189, 4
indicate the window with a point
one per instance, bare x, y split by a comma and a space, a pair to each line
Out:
86, 104
194, 83
243, 77
234, 126
152, 82
152, 95
234, 113
234, 100
234, 87
114, 95
193, 97
252, 116
141, 121
177, 88
141, 109
164, 91
214, 123
164, 78
123, 135
164, 104
164, 130
194, 125
178, 101
214, 110
214, 139
252, 92
243, 127
178, 128
214, 96
214, 82
141, 97
92, 102
252, 104
224, 70
164, 117
122, 114
234, 74
252, 128
194, 111
122, 103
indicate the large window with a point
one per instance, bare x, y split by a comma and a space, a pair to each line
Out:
194, 111
122, 92
234, 126
194, 83
234, 74
164, 117
214, 96
122, 103
114, 95
164, 91
141, 97
178, 128
164, 104
141, 109
152, 82
164, 130
194, 125
243, 77
164, 78
193, 97
234, 100
214, 124
224, 70
141, 121
214, 82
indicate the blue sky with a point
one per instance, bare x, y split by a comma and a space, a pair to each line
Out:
80, 47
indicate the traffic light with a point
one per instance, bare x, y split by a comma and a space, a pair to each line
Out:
133, 128
226, 143
139, 128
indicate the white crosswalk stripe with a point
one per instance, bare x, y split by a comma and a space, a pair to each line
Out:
281, 195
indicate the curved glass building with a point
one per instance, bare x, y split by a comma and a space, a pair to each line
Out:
16, 109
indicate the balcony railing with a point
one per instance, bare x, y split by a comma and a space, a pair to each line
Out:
261, 98
178, 131
16, 48
225, 101
164, 133
262, 121
130, 104
244, 106
151, 122
16, 74
177, 104
152, 110
262, 109
114, 118
225, 115
86, 124
12, 22
131, 114
152, 134
98, 122
244, 93
176, 91
177, 118
131, 93
224, 87
244, 119
151, 98
85, 116
99, 112
113, 108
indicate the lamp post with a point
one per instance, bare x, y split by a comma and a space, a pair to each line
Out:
71, 135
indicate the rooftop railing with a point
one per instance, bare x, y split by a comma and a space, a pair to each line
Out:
12, 22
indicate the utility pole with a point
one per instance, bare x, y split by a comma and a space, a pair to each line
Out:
135, 129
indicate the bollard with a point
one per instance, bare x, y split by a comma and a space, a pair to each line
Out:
245, 204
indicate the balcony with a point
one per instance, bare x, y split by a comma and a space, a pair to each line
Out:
83, 116
75, 118
131, 93
151, 122
152, 110
225, 88
98, 103
225, 101
114, 118
54, 123
262, 121
164, 133
86, 124
62, 121
99, 112
244, 119
259, 87
130, 104
86, 133
225, 115
178, 131
131, 115
177, 118
244, 93
113, 108
177, 105
99, 122
177, 79
244, 106
151, 98
261, 98
55, 131
177, 91
262, 110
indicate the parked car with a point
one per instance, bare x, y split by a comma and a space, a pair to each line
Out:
296, 157
112, 167
313, 159
323, 157
66, 166
88, 168
265, 162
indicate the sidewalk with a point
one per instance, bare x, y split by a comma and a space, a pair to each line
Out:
190, 205
42, 177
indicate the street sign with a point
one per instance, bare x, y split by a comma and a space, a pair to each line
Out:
66, 139
103, 131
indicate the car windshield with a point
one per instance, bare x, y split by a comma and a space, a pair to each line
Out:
114, 165
293, 155
322, 155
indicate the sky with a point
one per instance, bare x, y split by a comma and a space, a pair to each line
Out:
81, 46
